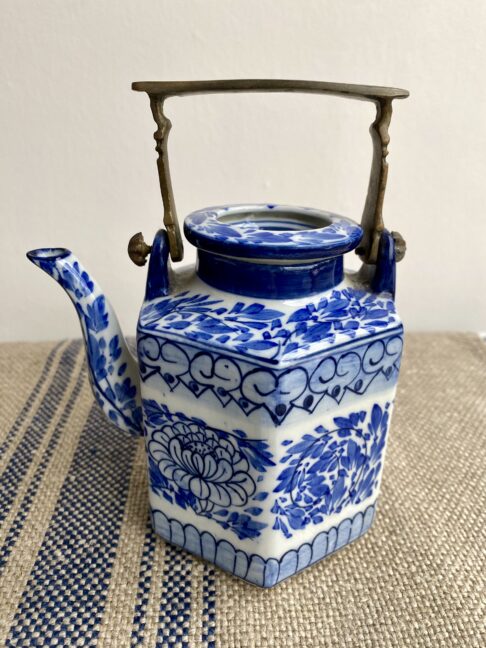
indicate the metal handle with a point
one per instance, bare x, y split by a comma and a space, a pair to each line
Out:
372, 218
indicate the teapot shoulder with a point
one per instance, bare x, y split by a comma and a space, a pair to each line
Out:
277, 331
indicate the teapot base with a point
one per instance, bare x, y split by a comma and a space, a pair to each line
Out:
252, 568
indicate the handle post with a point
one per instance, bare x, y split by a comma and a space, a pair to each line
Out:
161, 136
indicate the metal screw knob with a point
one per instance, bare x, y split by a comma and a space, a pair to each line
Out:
400, 246
138, 250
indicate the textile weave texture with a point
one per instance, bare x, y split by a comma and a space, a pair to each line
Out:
80, 565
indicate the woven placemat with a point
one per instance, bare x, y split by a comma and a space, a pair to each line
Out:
80, 565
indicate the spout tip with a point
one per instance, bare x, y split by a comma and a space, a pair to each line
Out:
47, 254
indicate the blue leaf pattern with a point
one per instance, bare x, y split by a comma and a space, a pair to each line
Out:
96, 316
96, 356
330, 469
115, 350
114, 391
75, 280
252, 329
250, 234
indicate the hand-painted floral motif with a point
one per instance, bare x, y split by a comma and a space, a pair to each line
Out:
330, 469
246, 230
198, 461
112, 371
253, 329
211, 471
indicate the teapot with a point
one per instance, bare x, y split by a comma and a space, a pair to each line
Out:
265, 375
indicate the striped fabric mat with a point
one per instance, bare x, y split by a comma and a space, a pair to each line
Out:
80, 565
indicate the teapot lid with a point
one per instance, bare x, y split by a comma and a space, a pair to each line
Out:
267, 231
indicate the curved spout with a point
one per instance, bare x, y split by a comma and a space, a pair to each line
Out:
113, 371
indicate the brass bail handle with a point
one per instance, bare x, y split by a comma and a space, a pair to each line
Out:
372, 218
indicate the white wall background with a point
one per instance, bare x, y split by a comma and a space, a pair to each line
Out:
78, 165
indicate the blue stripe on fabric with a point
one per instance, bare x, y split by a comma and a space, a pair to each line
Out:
24, 453
175, 604
209, 606
36, 482
144, 584
65, 596
29, 402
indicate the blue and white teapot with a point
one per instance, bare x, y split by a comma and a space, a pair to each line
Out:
266, 374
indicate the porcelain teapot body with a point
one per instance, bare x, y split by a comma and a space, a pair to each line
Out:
263, 385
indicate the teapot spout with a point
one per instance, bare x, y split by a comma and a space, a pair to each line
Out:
113, 370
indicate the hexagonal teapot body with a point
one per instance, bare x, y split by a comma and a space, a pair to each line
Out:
267, 383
